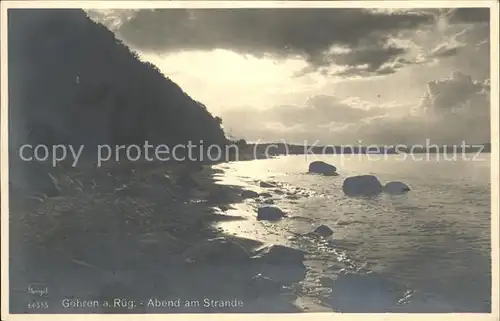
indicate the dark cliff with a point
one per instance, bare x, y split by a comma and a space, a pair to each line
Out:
72, 82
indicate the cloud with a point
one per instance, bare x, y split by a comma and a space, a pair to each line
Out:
446, 50
468, 15
454, 109
280, 33
111, 18
373, 57
365, 70
460, 40
319, 114
318, 110
469, 37
458, 92
371, 60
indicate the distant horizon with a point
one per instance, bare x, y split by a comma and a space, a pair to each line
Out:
357, 144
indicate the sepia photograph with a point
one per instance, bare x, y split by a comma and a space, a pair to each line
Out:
243, 157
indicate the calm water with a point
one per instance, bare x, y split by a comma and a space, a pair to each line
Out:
435, 239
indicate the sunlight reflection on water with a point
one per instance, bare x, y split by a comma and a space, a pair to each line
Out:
437, 237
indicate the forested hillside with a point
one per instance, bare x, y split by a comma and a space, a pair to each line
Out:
71, 81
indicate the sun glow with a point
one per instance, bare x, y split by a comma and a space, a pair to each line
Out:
222, 78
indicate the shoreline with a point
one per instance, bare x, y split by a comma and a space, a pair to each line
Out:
325, 286
110, 225
123, 231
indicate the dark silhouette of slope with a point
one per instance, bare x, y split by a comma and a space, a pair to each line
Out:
122, 230
73, 82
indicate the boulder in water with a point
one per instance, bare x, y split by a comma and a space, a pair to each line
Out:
216, 250
319, 167
270, 213
268, 201
266, 185
249, 194
364, 293
362, 185
323, 231
277, 254
278, 192
224, 208
396, 188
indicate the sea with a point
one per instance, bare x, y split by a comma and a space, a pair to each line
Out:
434, 239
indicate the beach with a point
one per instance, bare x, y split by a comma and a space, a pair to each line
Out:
142, 235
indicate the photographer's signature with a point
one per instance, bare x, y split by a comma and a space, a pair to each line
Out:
39, 289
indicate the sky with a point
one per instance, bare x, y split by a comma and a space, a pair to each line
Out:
326, 76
